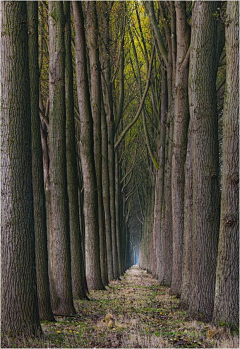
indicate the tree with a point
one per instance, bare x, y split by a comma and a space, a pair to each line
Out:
72, 172
226, 307
59, 235
104, 18
95, 88
40, 224
19, 284
180, 128
203, 112
92, 254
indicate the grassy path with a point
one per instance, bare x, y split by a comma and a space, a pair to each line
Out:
134, 312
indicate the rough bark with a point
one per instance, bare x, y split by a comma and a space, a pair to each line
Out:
187, 236
180, 127
92, 253
108, 106
226, 306
160, 234
72, 172
19, 309
106, 195
203, 111
40, 223
59, 236
95, 88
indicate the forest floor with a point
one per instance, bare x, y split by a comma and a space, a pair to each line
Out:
134, 312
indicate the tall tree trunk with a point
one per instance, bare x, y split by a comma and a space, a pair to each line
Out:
92, 253
108, 105
40, 223
226, 306
92, 42
106, 195
19, 310
160, 237
187, 237
117, 207
203, 111
72, 173
59, 237
180, 127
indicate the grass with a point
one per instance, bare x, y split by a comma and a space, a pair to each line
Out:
134, 312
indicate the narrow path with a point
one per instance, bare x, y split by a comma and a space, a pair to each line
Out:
134, 312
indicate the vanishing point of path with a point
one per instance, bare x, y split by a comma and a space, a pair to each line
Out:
134, 312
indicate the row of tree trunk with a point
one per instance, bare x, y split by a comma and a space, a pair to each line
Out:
76, 234
194, 230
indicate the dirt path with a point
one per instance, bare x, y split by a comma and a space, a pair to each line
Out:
134, 312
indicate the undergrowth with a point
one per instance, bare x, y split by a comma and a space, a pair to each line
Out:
134, 312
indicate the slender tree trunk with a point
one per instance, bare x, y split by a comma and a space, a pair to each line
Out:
226, 306
92, 253
117, 207
108, 106
187, 237
160, 236
180, 127
72, 173
92, 41
40, 223
59, 237
19, 310
203, 111
167, 215
106, 195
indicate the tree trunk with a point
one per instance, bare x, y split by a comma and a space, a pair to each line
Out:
203, 111
106, 195
72, 173
59, 237
19, 311
92, 253
108, 106
40, 223
166, 234
160, 236
226, 306
187, 237
180, 127
92, 42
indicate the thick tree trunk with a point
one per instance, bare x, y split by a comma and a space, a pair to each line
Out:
180, 127
19, 310
72, 172
59, 236
40, 223
92, 252
92, 42
226, 307
203, 111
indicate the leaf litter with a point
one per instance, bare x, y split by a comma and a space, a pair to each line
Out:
133, 312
